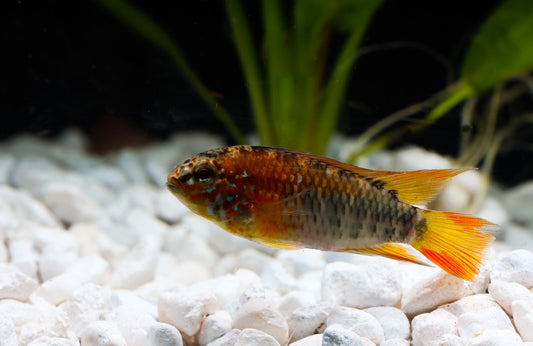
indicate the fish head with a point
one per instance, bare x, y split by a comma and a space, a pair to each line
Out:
210, 184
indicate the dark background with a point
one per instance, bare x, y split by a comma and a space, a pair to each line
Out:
70, 63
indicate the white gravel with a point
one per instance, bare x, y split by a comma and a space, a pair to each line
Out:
95, 251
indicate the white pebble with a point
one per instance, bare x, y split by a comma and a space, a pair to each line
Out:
139, 266
162, 334
185, 309
294, 300
254, 337
312, 340
214, 326
523, 318
376, 283
357, 321
86, 304
471, 324
496, 337
133, 324
70, 203
84, 270
23, 255
437, 289
266, 320
58, 249
229, 339
472, 303
102, 333
451, 340
504, 293
8, 334
428, 328
186, 246
15, 284
126, 297
230, 287
26, 208
397, 342
51, 341
276, 277
393, 321
337, 335
516, 266
141, 223
301, 261
131, 166
308, 320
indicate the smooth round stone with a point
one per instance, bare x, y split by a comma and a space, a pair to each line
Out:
376, 283
428, 328
51, 341
496, 337
308, 320
185, 309
162, 334
431, 292
102, 333
393, 321
294, 300
214, 326
229, 339
505, 293
312, 340
254, 337
471, 324
361, 323
516, 266
337, 335
523, 318
133, 323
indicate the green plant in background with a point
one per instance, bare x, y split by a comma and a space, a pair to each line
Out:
501, 50
295, 96
295, 100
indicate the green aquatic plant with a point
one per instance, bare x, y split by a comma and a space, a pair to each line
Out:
296, 99
297, 87
501, 50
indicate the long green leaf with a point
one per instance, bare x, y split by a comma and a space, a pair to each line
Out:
503, 46
246, 51
153, 33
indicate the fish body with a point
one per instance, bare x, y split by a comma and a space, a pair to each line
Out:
291, 200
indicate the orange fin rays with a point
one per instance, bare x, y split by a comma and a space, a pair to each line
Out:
419, 187
455, 242
397, 251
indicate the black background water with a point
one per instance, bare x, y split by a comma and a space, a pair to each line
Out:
69, 63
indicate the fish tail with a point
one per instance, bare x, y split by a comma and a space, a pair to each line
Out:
455, 242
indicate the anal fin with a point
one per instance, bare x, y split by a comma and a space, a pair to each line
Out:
280, 245
397, 251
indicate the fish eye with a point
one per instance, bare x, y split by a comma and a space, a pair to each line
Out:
204, 174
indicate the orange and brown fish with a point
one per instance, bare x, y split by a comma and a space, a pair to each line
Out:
291, 199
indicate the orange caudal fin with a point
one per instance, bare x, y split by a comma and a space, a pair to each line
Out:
455, 242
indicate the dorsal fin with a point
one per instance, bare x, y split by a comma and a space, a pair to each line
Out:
414, 187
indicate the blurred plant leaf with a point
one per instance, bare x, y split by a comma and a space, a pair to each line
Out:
143, 25
502, 48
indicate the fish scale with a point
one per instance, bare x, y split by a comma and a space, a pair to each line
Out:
290, 199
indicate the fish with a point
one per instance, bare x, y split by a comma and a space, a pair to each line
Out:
291, 200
